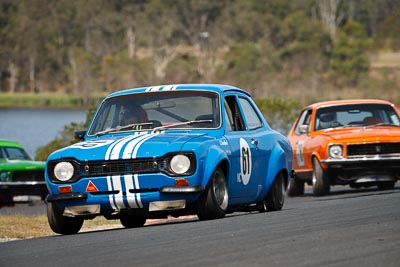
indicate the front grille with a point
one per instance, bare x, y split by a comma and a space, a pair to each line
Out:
121, 167
28, 176
373, 149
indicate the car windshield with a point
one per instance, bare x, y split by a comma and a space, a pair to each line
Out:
13, 153
158, 111
355, 115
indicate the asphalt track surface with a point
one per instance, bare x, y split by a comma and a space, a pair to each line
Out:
347, 228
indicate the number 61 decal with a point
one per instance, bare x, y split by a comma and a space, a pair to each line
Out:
245, 161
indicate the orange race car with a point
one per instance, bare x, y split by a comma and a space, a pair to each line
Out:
345, 142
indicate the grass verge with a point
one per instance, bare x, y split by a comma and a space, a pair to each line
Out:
48, 100
31, 226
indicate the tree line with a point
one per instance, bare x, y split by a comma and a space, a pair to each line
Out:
304, 49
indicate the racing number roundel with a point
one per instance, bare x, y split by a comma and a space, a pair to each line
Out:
245, 161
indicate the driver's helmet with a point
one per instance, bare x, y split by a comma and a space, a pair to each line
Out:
326, 119
132, 114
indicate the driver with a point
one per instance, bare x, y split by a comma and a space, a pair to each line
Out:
326, 120
131, 115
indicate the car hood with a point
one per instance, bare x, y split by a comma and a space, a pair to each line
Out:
365, 134
137, 145
21, 165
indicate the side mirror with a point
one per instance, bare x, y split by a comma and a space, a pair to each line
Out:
79, 135
303, 129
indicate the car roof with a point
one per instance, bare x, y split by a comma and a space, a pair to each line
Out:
348, 102
218, 88
9, 143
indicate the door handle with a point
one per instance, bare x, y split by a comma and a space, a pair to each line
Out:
254, 142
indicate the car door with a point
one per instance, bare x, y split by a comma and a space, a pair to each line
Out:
244, 129
299, 137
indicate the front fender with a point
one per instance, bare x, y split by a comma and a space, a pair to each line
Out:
212, 159
320, 152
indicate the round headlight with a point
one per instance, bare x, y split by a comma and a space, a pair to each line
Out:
4, 176
180, 164
335, 151
63, 171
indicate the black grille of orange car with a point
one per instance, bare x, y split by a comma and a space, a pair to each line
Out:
28, 176
373, 149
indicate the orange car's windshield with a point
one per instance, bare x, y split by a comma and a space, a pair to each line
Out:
355, 115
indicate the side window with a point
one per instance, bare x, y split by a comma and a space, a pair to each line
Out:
394, 119
303, 125
253, 121
233, 113
228, 117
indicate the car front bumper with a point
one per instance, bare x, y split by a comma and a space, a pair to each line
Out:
355, 168
20, 188
166, 198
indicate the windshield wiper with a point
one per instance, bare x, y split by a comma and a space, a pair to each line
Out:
352, 125
383, 124
134, 126
160, 128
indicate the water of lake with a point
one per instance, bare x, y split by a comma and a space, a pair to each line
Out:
34, 128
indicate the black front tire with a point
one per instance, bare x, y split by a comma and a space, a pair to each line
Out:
61, 224
213, 203
386, 185
276, 195
320, 182
6, 199
133, 221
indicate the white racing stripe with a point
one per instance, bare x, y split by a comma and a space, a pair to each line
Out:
162, 88
119, 198
132, 145
139, 200
114, 182
129, 147
134, 199
111, 148
153, 88
118, 147
128, 179
110, 196
134, 153
170, 87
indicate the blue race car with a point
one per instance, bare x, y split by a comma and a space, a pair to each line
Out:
169, 150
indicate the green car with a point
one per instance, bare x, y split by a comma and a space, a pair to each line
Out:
19, 174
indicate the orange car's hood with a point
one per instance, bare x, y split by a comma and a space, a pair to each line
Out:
365, 134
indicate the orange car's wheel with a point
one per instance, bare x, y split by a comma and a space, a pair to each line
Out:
320, 182
296, 188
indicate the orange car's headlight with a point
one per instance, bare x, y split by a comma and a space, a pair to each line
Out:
335, 151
